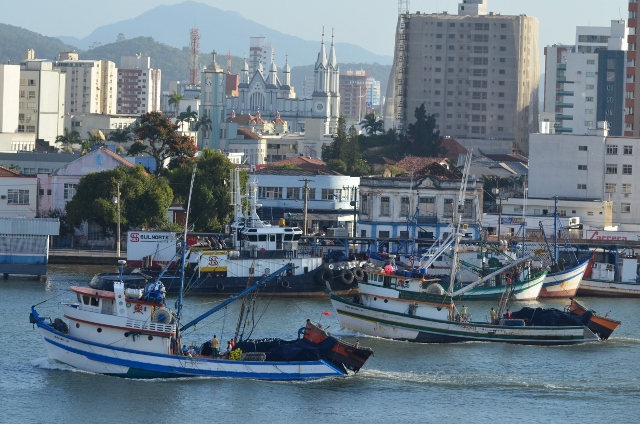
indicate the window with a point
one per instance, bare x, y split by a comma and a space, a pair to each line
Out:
18, 197
294, 193
612, 150
582, 148
589, 99
591, 62
331, 194
448, 208
427, 206
69, 190
582, 186
590, 86
627, 169
270, 192
582, 167
611, 169
628, 150
404, 206
364, 205
385, 206
625, 207
610, 188
384, 234
626, 188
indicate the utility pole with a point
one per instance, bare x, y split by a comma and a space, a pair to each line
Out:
118, 239
306, 204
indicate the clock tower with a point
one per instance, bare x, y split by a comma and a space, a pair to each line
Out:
326, 95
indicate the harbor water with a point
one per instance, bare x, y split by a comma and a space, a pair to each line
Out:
402, 382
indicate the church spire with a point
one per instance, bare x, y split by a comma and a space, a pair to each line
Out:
332, 54
322, 55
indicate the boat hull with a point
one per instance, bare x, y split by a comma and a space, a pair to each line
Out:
525, 290
602, 326
121, 362
564, 284
398, 326
600, 288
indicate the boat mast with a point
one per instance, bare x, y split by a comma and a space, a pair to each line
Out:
184, 248
555, 229
457, 219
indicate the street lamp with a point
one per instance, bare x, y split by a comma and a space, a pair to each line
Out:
496, 191
116, 200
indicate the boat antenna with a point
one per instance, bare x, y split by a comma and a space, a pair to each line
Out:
184, 247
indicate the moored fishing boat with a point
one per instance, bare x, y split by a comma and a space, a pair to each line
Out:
606, 280
127, 330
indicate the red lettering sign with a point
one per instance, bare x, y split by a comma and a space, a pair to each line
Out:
135, 237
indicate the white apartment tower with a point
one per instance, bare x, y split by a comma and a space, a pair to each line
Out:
477, 72
91, 85
585, 83
260, 55
9, 79
139, 86
42, 98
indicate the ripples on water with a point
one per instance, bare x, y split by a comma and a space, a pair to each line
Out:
402, 382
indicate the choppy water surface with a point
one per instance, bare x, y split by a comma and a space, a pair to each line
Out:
403, 382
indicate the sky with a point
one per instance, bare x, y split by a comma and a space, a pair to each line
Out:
367, 23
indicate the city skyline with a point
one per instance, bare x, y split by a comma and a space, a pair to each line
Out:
358, 22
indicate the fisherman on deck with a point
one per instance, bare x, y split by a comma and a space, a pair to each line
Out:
215, 346
463, 313
493, 316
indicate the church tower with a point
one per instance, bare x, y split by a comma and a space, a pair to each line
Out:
321, 92
212, 104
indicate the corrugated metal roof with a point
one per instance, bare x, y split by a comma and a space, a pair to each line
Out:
30, 226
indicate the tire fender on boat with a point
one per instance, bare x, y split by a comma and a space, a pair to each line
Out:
358, 272
285, 284
347, 277
220, 286
323, 274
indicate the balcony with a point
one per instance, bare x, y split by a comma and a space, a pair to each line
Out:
561, 79
561, 130
563, 117
563, 104
561, 67
564, 93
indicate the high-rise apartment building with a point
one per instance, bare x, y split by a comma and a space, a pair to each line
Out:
9, 78
91, 85
260, 54
353, 93
139, 86
632, 93
477, 72
585, 82
42, 93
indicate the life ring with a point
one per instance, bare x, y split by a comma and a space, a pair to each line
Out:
262, 250
220, 286
324, 274
330, 266
358, 272
285, 284
347, 277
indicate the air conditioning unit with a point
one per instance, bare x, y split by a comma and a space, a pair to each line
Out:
574, 221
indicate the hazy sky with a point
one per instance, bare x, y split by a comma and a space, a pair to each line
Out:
368, 23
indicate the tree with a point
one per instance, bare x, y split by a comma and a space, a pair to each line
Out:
120, 37
174, 99
68, 138
144, 200
120, 135
94, 137
343, 154
157, 136
372, 125
187, 116
421, 137
210, 201
204, 124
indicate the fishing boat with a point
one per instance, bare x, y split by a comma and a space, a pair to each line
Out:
128, 331
414, 308
603, 326
610, 280
220, 266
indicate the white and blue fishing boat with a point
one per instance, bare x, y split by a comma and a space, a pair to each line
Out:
128, 331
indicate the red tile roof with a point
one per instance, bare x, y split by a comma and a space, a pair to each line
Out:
302, 162
416, 163
7, 172
248, 134
453, 148
116, 157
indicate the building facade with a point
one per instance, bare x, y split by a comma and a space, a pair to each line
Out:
18, 194
139, 86
91, 85
595, 166
477, 72
9, 84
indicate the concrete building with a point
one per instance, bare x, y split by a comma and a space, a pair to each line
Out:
416, 206
477, 72
261, 54
9, 91
585, 82
583, 167
18, 194
354, 93
632, 89
32, 163
42, 106
91, 85
139, 85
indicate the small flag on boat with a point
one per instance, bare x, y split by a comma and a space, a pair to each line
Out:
327, 313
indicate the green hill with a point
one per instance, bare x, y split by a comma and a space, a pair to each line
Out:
15, 40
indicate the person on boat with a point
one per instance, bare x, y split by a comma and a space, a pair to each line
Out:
185, 350
215, 346
463, 313
229, 347
493, 316
507, 314
192, 351
516, 276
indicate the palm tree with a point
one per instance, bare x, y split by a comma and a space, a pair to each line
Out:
120, 135
371, 124
204, 124
188, 116
174, 99
68, 138
95, 137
